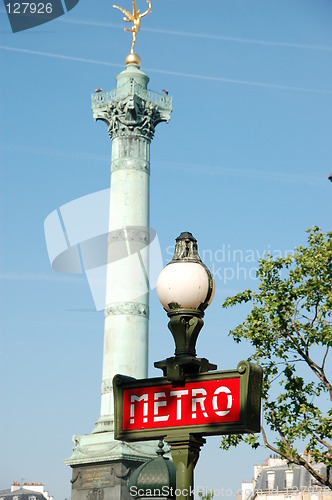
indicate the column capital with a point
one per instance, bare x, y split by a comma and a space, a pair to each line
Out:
131, 110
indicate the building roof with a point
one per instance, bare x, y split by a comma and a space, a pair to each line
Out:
300, 477
22, 493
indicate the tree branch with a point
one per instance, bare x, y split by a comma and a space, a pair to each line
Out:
273, 448
322, 441
325, 356
298, 461
312, 321
274, 419
322, 479
319, 371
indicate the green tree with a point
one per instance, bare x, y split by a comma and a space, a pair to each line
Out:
290, 329
207, 495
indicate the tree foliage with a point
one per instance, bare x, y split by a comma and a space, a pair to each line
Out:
206, 495
290, 328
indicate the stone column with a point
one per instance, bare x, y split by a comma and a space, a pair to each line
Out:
131, 114
101, 466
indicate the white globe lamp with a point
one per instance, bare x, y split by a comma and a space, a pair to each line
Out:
185, 288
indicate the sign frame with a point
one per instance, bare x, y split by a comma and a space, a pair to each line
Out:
250, 376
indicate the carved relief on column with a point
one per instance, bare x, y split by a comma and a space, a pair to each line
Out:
106, 386
137, 234
132, 308
131, 153
95, 494
131, 115
142, 165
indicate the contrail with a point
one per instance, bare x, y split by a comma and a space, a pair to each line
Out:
69, 155
169, 72
309, 179
238, 82
60, 56
208, 36
40, 277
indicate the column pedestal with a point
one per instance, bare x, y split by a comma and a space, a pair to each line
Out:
102, 466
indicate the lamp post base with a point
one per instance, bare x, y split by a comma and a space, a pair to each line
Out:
185, 451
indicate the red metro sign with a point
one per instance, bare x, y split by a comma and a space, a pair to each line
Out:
197, 403
209, 403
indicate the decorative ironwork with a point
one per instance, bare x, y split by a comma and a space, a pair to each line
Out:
100, 99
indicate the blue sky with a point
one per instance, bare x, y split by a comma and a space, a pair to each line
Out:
243, 165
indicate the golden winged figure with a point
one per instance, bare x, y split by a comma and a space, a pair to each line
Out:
134, 18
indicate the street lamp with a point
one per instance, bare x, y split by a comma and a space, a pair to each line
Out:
206, 404
185, 288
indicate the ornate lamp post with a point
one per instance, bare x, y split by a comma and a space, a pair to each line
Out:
190, 401
185, 288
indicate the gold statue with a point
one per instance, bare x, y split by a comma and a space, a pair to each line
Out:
134, 18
